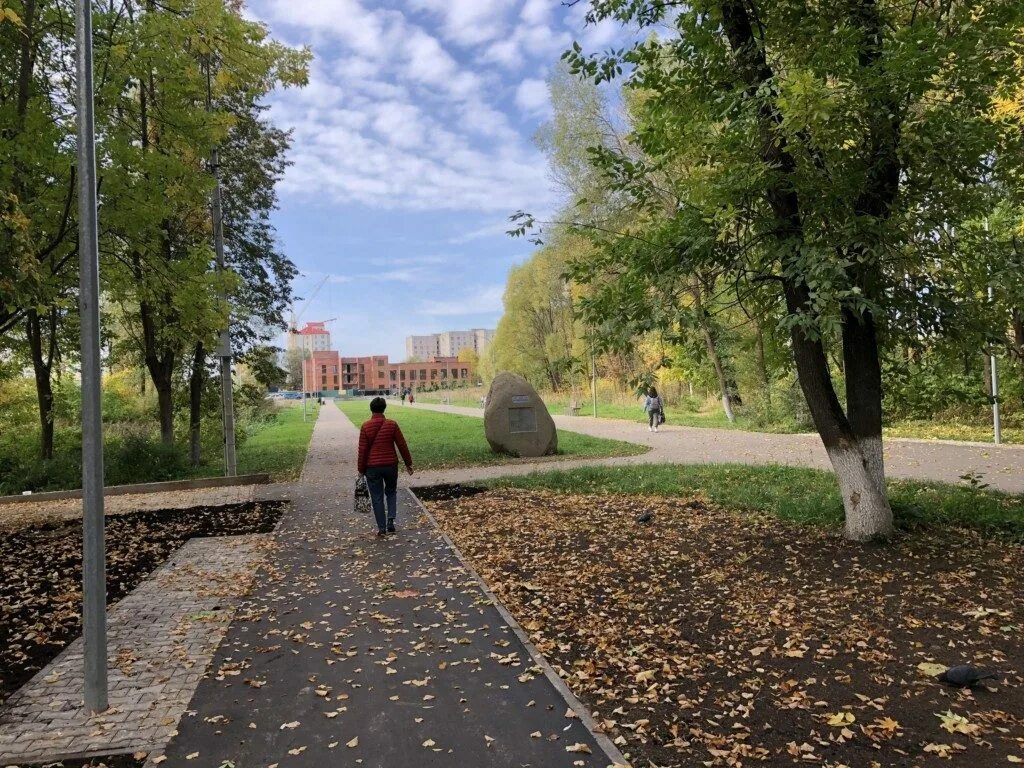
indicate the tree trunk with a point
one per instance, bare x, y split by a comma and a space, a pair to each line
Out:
762, 366
1018, 334
160, 363
855, 453
42, 366
195, 403
853, 444
723, 384
712, 347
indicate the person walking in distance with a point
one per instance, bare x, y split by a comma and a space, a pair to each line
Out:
655, 409
378, 462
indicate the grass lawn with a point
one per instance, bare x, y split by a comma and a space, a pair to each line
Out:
445, 440
938, 430
713, 419
806, 496
279, 448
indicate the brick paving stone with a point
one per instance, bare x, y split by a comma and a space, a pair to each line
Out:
206, 578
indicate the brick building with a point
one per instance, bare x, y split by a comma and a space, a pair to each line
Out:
328, 373
322, 372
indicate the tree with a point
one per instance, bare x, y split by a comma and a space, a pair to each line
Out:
37, 183
214, 67
829, 137
535, 336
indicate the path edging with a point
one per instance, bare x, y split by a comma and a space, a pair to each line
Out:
199, 483
618, 759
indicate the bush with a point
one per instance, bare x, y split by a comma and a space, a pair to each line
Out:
140, 459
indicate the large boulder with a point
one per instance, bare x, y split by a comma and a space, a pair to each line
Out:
516, 420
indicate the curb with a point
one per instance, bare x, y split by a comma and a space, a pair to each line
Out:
141, 488
610, 750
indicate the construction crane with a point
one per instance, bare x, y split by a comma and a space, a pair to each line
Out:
293, 326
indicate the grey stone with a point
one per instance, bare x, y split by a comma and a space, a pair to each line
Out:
516, 421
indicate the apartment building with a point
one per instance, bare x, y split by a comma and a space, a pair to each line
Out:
447, 343
312, 337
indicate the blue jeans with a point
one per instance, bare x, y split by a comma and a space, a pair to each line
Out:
382, 483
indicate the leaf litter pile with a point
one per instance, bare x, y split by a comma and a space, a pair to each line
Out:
706, 637
41, 573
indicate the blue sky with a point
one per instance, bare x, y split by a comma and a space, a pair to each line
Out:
413, 143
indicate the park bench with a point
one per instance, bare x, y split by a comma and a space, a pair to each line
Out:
573, 409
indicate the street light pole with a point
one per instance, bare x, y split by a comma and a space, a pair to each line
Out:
94, 588
997, 422
227, 396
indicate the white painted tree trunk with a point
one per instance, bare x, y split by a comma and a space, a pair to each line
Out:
860, 471
727, 407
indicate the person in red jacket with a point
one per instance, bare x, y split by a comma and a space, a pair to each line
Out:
378, 461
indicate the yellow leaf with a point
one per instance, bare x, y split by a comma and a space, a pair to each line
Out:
888, 724
841, 719
352, 744
931, 669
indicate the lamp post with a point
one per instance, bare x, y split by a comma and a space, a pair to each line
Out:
997, 422
94, 589
227, 398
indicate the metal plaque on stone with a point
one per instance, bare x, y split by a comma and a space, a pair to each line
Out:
522, 420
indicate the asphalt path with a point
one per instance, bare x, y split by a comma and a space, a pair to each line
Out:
1002, 467
355, 650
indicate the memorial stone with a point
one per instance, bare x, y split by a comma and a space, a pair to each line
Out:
516, 420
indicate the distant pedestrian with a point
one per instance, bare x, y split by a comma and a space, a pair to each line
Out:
655, 410
412, 398
378, 462
404, 395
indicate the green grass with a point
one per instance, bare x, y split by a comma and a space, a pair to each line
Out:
713, 419
949, 430
445, 440
279, 448
806, 496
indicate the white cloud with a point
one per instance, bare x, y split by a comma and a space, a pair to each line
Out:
393, 118
478, 301
468, 22
532, 97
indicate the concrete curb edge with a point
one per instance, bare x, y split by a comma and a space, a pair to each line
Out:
143, 488
612, 752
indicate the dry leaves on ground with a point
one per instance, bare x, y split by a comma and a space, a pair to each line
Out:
713, 638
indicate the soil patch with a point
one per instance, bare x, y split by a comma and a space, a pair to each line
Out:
447, 492
41, 573
115, 761
707, 637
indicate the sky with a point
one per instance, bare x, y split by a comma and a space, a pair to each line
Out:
412, 145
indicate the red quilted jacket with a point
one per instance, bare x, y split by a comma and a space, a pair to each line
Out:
384, 435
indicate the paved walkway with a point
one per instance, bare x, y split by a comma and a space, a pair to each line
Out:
161, 638
360, 651
1002, 467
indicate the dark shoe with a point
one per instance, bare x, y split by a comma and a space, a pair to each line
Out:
381, 533
391, 526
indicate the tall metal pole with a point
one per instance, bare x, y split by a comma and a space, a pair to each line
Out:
94, 588
593, 380
226, 385
227, 397
997, 422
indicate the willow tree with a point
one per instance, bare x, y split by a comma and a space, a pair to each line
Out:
829, 136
